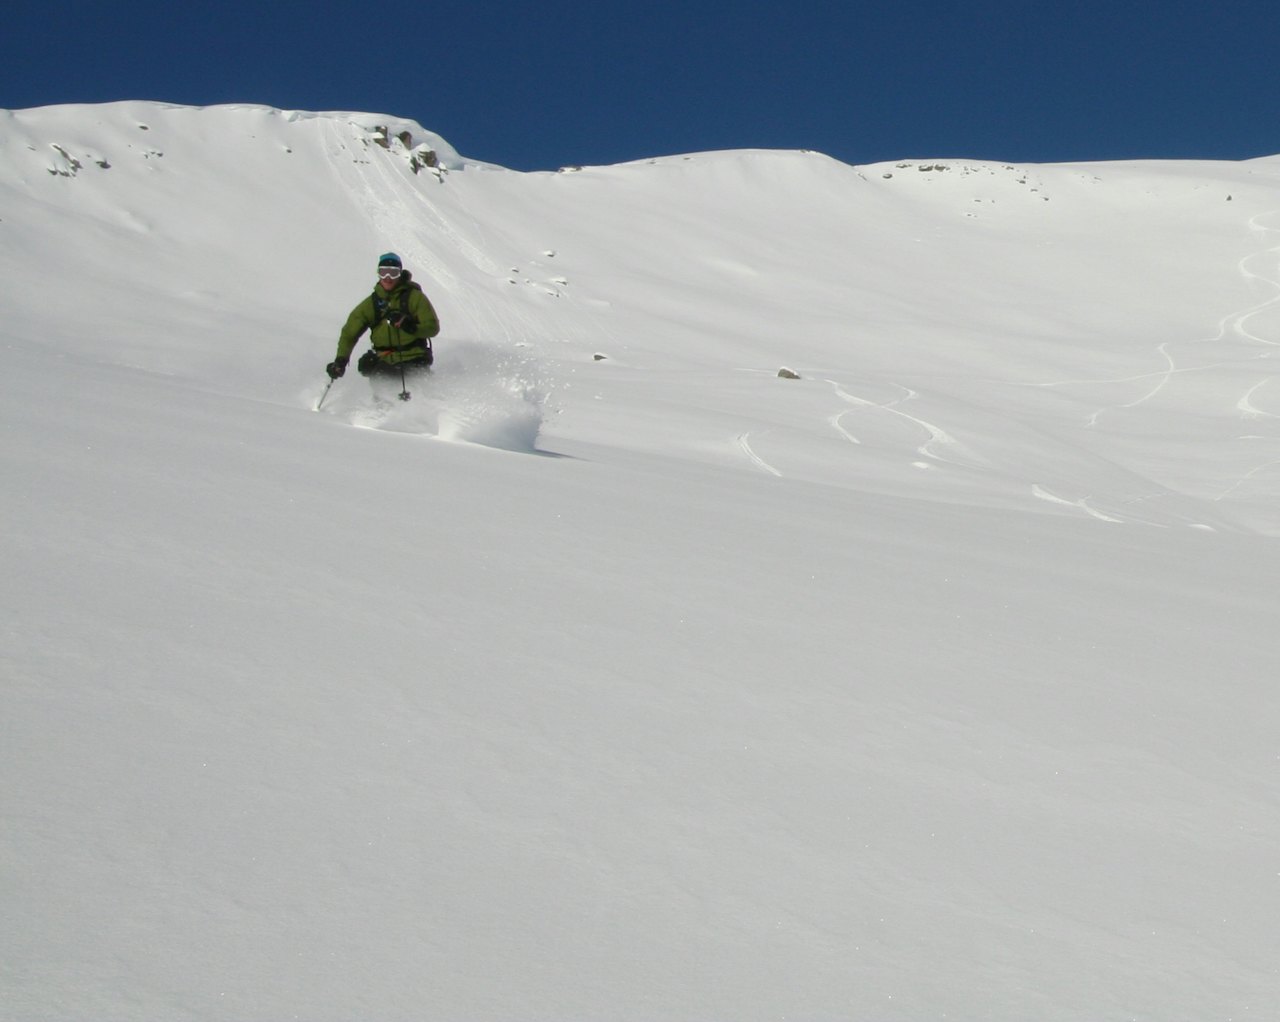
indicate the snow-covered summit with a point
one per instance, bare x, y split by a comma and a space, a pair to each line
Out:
73, 128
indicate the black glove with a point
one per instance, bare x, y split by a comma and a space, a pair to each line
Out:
336, 368
408, 323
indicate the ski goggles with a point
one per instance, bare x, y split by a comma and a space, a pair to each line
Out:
389, 272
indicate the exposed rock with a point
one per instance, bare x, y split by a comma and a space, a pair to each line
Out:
424, 157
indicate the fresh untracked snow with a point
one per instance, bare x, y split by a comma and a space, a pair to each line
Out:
615, 675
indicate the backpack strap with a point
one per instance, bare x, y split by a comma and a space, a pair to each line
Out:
381, 306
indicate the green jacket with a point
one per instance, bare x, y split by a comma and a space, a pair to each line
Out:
392, 344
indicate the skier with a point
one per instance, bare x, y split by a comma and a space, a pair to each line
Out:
402, 321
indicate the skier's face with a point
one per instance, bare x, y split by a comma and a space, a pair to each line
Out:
388, 276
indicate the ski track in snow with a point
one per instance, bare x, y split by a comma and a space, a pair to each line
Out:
1245, 405
744, 442
938, 440
379, 190
1232, 324
1083, 504
940, 447
938, 437
1248, 409
1246, 478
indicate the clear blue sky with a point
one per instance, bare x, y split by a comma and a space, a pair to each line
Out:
538, 85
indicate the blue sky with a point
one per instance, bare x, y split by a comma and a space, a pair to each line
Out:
538, 85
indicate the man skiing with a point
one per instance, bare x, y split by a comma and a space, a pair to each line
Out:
402, 322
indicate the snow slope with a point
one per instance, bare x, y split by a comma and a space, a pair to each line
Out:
614, 676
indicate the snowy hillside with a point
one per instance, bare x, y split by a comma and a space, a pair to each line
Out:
616, 675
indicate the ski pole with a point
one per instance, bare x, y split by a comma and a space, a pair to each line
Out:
404, 386
324, 395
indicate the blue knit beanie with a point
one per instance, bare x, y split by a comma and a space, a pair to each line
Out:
390, 259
